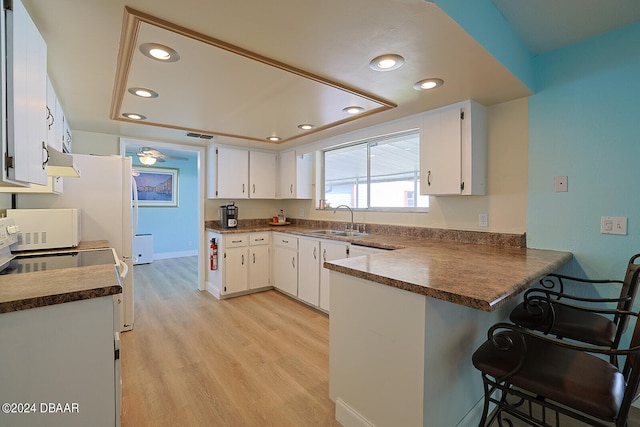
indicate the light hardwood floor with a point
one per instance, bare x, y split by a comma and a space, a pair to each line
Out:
191, 360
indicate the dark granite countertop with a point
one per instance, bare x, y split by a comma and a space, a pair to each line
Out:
42, 288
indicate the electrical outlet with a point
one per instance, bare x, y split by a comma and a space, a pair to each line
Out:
561, 183
301, 212
483, 220
613, 225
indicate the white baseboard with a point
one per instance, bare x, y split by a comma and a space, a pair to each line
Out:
165, 255
349, 417
212, 289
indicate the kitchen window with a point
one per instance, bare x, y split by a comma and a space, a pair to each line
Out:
380, 173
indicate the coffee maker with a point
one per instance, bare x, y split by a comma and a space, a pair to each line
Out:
228, 216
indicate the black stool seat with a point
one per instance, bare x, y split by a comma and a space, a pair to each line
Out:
569, 323
569, 377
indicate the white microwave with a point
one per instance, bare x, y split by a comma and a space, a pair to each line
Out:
46, 228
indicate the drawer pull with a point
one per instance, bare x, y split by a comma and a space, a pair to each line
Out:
236, 241
258, 240
285, 241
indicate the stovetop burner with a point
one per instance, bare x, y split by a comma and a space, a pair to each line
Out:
58, 260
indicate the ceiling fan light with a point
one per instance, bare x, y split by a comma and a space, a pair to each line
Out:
386, 62
134, 116
427, 84
354, 109
147, 160
143, 92
159, 52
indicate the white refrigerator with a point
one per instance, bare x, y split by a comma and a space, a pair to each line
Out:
104, 193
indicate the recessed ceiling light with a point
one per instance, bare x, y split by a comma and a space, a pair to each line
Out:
134, 116
306, 126
387, 62
142, 92
159, 52
427, 84
274, 138
354, 109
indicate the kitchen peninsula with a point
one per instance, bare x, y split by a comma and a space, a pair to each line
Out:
404, 324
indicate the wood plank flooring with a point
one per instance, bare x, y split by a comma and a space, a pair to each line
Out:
256, 360
191, 360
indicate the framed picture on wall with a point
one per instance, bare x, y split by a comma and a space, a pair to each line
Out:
157, 187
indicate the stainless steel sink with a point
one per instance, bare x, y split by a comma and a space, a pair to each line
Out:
344, 233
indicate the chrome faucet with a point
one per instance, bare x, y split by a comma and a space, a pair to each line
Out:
350, 210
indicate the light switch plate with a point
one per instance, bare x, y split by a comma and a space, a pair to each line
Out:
483, 220
613, 225
561, 183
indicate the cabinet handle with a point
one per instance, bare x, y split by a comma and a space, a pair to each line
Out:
242, 259
285, 241
324, 254
254, 188
50, 116
315, 253
259, 240
254, 258
236, 241
429, 178
293, 262
242, 188
45, 150
291, 188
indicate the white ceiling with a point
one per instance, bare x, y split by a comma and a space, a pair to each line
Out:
332, 40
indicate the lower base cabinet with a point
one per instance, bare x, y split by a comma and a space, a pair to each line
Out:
330, 251
243, 264
285, 263
309, 271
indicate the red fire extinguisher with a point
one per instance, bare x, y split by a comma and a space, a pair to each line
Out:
213, 255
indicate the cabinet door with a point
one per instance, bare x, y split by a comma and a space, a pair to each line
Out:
258, 266
232, 173
304, 176
26, 97
236, 270
262, 175
330, 252
287, 170
309, 271
285, 269
440, 153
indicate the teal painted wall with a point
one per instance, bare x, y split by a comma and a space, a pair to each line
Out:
584, 123
175, 230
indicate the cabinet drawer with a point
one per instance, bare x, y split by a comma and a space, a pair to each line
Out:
256, 239
236, 241
285, 240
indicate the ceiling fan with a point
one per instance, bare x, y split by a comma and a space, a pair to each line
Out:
149, 156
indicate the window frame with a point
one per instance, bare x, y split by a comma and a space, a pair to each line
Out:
368, 142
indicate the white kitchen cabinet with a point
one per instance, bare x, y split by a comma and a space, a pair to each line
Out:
243, 264
26, 70
309, 270
262, 175
63, 353
236, 265
285, 263
330, 251
236, 173
453, 150
259, 260
228, 172
295, 175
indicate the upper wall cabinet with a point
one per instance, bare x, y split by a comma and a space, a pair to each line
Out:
235, 173
453, 151
26, 99
295, 175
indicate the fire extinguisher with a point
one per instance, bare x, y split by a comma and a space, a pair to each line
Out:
213, 255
